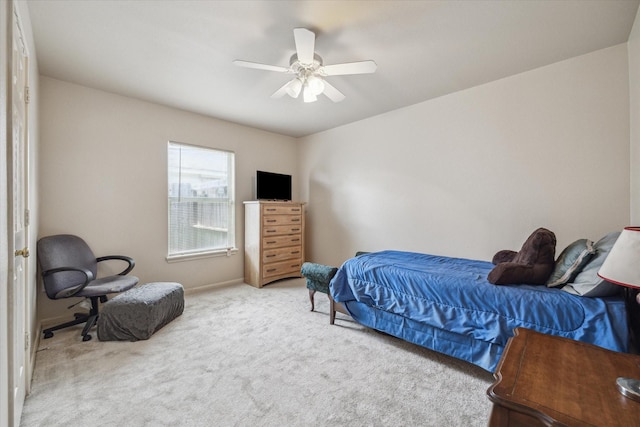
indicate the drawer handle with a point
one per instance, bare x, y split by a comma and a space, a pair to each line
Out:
295, 219
271, 220
295, 240
271, 209
271, 243
270, 256
295, 266
295, 252
295, 210
271, 270
271, 231
295, 229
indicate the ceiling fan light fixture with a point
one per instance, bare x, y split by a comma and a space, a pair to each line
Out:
316, 84
308, 94
294, 87
309, 71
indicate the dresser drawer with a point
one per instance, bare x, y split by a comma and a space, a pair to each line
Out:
279, 230
281, 210
279, 254
281, 241
284, 267
268, 220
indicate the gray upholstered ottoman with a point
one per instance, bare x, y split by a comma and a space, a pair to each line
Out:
139, 312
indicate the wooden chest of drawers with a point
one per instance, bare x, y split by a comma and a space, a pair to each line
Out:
273, 241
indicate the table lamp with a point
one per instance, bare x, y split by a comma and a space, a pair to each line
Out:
622, 267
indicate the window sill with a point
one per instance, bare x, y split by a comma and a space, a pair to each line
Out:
200, 255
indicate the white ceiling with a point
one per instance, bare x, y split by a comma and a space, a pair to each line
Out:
180, 53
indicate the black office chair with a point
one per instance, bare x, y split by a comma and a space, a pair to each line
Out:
69, 269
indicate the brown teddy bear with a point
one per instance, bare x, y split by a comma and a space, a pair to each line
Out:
533, 264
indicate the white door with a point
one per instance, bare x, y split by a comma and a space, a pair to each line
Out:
18, 221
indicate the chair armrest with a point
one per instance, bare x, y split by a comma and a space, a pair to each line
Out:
127, 259
88, 277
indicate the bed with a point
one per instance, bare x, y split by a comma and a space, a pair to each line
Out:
448, 305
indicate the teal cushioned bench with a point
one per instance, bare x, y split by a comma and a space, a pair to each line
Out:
318, 278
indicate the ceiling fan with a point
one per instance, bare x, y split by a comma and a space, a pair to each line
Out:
309, 71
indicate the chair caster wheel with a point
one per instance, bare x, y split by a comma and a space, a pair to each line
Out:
48, 335
86, 337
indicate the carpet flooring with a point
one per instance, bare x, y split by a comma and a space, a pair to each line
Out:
241, 356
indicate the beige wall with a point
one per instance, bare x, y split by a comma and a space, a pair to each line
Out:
463, 175
634, 95
477, 171
103, 177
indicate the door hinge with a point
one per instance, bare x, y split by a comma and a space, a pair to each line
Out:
27, 341
27, 95
27, 217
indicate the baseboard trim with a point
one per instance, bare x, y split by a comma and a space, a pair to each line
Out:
203, 288
32, 358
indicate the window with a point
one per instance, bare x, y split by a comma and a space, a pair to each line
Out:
201, 201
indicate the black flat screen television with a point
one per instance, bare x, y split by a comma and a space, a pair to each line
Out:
273, 186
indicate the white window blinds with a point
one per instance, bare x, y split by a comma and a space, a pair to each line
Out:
201, 200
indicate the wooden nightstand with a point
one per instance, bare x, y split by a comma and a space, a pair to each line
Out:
547, 380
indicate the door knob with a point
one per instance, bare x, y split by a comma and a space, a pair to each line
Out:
23, 252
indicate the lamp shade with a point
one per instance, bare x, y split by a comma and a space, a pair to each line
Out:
316, 84
308, 95
294, 87
622, 265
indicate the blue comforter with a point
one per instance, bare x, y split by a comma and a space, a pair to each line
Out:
448, 305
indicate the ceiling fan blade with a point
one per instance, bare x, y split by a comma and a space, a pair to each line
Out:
305, 45
259, 66
281, 92
362, 67
290, 88
332, 93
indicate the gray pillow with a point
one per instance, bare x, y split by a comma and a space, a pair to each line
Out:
570, 262
587, 283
